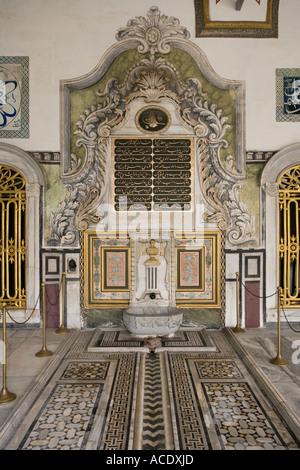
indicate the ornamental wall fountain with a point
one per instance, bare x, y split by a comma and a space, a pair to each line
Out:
153, 314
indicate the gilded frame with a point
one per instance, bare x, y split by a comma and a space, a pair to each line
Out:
180, 286
106, 287
214, 301
112, 298
230, 29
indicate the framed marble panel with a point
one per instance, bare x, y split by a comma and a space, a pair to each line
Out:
288, 95
52, 266
252, 266
203, 289
190, 269
115, 273
14, 97
106, 274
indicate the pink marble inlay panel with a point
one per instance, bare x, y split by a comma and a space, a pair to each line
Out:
189, 269
116, 269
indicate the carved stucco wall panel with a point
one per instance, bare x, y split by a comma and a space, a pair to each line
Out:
209, 107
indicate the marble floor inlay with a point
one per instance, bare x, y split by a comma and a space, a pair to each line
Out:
201, 399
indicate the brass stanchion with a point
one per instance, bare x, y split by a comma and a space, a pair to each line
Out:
44, 351
279, 360
5, 395
237, 329
62, 329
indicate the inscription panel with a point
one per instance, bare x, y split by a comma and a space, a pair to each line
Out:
152, 174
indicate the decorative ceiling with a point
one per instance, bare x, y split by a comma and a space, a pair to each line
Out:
237, 18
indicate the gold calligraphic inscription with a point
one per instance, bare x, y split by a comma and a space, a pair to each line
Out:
152, 174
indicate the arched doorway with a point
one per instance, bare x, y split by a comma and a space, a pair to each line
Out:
289, 232
12, 237
21, 163
277, 195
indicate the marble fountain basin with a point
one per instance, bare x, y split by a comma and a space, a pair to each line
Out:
152, 320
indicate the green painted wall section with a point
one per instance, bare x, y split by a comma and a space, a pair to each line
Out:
80, 100
223, 99
250, 192
55, 193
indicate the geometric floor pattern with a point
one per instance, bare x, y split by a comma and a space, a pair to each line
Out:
189, 392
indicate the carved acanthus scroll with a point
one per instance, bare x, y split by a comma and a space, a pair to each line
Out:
153, 79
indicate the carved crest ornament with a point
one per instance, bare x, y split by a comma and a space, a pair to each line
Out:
153, 80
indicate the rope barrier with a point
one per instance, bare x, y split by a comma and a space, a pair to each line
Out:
62, 328
5, 395
278, 360
292, 328
44, 351
27, 320
267, 297
58, 295
258, 296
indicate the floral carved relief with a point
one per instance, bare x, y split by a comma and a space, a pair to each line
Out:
153, 80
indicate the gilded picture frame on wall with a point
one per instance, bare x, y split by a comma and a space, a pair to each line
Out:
106, 273
190, 271
115, 272
198, 269
206, 27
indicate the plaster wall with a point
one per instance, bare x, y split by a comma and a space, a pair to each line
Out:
67, 39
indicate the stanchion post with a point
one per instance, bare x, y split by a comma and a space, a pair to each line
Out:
44, 351
5, 395
62, 329
278, 360
237, 328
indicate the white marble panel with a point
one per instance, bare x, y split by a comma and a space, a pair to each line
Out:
73, 304
230, 314
232, 265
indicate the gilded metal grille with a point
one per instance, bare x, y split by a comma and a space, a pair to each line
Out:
12, 237
289, 236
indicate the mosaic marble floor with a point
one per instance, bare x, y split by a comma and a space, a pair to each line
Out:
108, 391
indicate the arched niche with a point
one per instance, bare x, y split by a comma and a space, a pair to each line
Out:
281, 161
18, 159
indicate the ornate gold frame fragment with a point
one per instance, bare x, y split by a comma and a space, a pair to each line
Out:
99, 291
253, 29
207, 295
